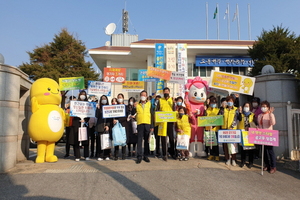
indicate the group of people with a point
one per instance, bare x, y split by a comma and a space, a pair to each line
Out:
139, 123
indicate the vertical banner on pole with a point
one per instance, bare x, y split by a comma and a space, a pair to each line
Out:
182, 64
159, 63
171, 61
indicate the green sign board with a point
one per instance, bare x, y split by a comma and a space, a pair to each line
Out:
165, 116
71, 83
210, 120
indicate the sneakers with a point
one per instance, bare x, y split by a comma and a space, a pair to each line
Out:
217, 158
107, 158
99, 159
233, 163
181, 159
186, 159
210, 157
77, 159
87, 158
227, 162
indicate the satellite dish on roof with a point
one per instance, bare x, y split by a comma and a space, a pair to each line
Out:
110, 28
107, 43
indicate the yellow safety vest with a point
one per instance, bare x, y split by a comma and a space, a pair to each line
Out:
184, 125
228, 118
212, 112
166, 105
241, 124
143, 115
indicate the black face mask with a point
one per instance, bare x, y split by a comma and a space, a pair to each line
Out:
166, 95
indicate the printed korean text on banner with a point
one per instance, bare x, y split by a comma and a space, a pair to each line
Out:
71, 83
229, 136
99, 88
159, 73
82, 109
143, 76
210, 138
245, 140
165, 116
232, 82
113, 75
209, 61
182, 64
210, 121
177, 77
171, 57
263, 137
159, 63
133, 86
112, 111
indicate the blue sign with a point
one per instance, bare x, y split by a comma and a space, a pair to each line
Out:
143, 76
160, 63
208, 61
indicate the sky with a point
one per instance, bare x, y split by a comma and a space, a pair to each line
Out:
27, 24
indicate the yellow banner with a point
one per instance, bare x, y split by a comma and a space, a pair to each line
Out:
245, 139
158, 73
165, 116
133, 86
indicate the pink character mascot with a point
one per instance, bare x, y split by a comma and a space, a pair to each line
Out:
195, 96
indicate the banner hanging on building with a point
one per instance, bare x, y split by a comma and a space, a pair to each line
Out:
232, 82
159, 73
214, 61
133, 86
171, 57
71, 83
159, 63
99, 88
143, 76
113, 75
182, 64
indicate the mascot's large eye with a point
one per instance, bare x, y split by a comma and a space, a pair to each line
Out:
195, 94
201, 94
49, 89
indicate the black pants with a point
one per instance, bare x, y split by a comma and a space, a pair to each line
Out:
157, 141
143, 133
214, 151
99, 152
269, 156
116, 153
164, 144
93, 139
250, 154
85, 149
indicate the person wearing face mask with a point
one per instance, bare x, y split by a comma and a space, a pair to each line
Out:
246, 118
266, 120
144, 127
123, 121
102, 126
213, 110
167, 103
132, 135
230, 117
179, 102
114, 101
74, 131
183, 127
154, 103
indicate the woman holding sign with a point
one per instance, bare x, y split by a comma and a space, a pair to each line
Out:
266, 120
102, 127
74, 132
230, 114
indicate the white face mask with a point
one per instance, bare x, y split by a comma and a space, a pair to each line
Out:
264, 109
82, 97
143, 98
246, 109
131, 102
104, 101
120, 100
254, 105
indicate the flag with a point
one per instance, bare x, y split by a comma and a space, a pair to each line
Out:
234, 16
236, 13
226, 13
215, 13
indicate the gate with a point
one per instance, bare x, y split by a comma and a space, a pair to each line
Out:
293, 122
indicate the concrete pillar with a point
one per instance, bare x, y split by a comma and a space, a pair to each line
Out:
11, 80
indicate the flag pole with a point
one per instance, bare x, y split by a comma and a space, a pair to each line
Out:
206, 20
218, 24
228, 21
238, 20
249, 23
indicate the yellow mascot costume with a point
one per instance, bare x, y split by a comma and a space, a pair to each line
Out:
46, 125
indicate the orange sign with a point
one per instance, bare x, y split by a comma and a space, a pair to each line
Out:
114, 75
159, 73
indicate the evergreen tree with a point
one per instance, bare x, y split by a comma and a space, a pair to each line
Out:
278, 47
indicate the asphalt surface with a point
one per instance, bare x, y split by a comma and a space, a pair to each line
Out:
197, 178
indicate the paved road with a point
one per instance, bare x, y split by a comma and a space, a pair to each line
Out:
193, 179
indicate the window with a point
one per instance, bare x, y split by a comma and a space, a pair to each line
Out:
235, 70
202, 71
132, 74
196, 71
208, 71
190, 69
